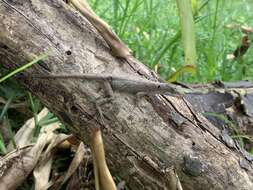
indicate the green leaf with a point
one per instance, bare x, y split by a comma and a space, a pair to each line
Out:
35, 115
185, 69
6, 106
194, 7
10, 132
48, 119
251, 151
2, 145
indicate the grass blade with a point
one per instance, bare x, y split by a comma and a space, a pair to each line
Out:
20, 69
6, 106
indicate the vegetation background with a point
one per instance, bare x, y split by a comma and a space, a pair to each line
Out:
151, 28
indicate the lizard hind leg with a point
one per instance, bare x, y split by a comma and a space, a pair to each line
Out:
98, 105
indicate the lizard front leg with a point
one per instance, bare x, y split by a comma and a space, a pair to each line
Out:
109, 97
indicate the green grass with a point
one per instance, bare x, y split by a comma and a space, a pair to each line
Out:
11, 91
151, 29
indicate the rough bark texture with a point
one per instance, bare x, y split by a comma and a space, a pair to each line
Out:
141, 142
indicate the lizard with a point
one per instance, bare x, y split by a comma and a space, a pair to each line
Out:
113, 83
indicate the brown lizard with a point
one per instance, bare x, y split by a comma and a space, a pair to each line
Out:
113, 83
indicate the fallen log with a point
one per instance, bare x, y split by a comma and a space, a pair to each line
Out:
143, 143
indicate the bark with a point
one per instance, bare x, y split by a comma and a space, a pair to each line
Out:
142, 143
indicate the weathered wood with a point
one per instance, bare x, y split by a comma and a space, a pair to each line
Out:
141, 142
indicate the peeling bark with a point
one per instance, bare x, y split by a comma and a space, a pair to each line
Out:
142, 143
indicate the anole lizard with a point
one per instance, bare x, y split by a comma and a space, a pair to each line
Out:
115, 83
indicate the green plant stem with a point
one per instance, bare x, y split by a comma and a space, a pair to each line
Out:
165, 49
188, 31
11, 134
2, 146
35, 115
6, 106
20, 69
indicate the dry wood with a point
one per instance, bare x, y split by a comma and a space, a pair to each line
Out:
142, 143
